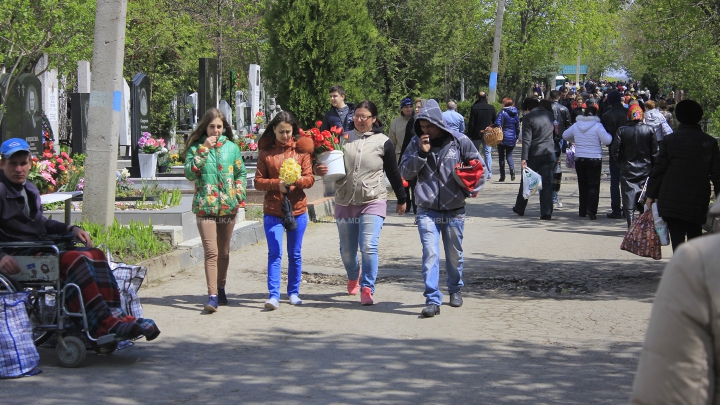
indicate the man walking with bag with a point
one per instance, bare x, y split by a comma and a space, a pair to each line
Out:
431, 158
538, 153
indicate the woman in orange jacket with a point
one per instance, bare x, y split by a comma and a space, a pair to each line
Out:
281, 141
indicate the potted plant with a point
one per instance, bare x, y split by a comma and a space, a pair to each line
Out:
163, 161
148, 154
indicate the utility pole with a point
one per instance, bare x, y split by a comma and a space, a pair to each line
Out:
577, 68
106, 89
496, 50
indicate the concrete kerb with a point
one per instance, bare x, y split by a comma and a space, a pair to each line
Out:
190, 253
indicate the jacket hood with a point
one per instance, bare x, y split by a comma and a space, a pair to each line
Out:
586, 123
511, 111
431, 112
654, 117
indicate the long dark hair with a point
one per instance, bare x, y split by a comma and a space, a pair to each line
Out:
201, 128
268, 137
370, 106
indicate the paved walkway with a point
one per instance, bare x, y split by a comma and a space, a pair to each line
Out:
555, 313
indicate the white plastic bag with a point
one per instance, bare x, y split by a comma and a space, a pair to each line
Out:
660, 226
532, 182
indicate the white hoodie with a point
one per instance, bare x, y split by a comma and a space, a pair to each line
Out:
589, 135
656, 119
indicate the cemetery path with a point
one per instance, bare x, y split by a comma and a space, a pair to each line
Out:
554, 313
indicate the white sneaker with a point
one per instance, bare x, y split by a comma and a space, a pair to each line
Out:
558, 205
295, 300
272, 304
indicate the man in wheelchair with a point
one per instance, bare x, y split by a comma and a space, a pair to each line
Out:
22, 220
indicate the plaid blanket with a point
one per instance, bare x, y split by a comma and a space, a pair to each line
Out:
89, 269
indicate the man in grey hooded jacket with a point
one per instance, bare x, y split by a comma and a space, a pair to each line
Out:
430, 158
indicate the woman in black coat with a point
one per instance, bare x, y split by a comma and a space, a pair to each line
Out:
689, 160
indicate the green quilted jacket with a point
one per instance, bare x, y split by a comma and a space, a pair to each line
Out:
219, 175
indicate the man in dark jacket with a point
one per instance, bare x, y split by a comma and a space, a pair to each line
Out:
634, 148
562, 116
341, 113
612, 120
431, 158
688, 161
22, 219
538, 153
482, 115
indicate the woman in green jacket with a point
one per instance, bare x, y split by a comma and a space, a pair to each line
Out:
215, 164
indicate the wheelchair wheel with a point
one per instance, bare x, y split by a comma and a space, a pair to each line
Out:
42, 311
75, 353
8, 284
104, 349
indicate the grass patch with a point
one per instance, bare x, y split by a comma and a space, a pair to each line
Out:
254, 212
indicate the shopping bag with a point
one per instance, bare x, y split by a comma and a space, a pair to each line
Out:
18, 355
570, 157
468, 175
129, 279
660, 226
557, 177
641, 238
532, 182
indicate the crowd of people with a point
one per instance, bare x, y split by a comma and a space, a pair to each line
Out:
648, 147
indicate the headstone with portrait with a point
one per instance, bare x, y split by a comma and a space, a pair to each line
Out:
23, 116
79, 113
208, 91
139, 115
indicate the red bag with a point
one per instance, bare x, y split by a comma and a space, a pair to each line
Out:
468, 175
641, 239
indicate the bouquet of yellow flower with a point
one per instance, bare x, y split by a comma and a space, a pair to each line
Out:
290, 171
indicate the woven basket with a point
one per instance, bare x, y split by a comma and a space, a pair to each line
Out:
493, 136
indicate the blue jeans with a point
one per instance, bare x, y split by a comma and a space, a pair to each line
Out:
274, 234
362, 232
449, 225
487, 154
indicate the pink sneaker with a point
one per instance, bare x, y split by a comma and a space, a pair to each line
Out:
353, 286
366, 297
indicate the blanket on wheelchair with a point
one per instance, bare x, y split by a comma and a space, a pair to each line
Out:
89, 269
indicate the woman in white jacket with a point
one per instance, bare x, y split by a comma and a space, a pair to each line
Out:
588, 135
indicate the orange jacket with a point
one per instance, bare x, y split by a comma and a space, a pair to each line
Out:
270, 160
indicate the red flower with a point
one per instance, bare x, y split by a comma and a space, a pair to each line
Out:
336, 130
319, 138
59, 161
326, 134
242, 203
302, 132
220, 168
315, 131
69, 160
61, 167
35, 159
318, 124
405, 183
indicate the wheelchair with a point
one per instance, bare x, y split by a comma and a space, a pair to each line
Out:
49, 316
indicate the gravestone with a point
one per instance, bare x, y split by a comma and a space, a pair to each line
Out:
208, 91
192, 100
226, 110
241, 114
84, 76
79, 113
139, 116
50, 97
255, 91
23, 117
125, 138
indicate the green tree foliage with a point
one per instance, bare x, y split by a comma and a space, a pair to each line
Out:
675, 44
315, 44
62, 29
164, 45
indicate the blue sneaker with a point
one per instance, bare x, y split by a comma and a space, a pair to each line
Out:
212, 304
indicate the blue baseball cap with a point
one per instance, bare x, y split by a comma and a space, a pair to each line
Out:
14, 145
406, 102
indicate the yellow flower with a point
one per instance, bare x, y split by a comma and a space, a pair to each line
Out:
211, 199
290, 171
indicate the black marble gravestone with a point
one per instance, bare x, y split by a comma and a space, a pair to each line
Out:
207, 93
23, 115
79, 113
139, 116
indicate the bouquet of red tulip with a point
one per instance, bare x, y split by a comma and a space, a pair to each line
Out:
325, 140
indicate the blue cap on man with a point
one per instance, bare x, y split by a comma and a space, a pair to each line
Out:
12, 146
405, 102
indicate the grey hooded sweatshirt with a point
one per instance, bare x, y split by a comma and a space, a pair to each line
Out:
436, 187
